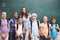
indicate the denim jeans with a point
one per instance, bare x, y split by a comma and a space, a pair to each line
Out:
42, 38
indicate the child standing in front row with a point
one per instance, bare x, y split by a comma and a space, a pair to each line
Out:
54, 29
44, 29
35, 24
19, 28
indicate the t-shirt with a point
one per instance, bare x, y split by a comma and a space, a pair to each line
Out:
20, 28
53, 32
44, 29
12, 21
35, 28
4, 27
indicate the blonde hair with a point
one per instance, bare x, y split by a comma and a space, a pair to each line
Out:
3, 12
34, 14
45, 17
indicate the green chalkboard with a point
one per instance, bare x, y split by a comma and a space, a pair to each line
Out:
48, 8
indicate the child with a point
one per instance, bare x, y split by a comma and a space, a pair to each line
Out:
54, 29
4, 27
12, 23
35, 24
19, 28
44, 29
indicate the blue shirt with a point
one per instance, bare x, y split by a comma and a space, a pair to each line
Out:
53, 32
12, 21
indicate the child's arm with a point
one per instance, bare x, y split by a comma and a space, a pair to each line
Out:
30, 33
8, 28
3, 35
16, 30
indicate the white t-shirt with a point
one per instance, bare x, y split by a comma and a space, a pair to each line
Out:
35, 27
19, 29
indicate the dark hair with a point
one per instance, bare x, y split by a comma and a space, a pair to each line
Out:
52, 19
15, 12
0, 22
26, 14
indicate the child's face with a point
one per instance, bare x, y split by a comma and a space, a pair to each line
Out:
20, 20
34, 17
45, 19
4, 15
15, 15
53, 20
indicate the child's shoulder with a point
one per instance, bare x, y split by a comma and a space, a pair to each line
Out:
41, 24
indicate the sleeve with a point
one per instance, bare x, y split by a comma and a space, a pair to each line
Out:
57, 26
9, 21
29, 15
51, 27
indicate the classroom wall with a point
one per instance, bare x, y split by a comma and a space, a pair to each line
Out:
49, 8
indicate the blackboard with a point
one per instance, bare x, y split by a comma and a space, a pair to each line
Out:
50, 8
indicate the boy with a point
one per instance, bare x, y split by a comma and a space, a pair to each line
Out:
12, 23
34, 27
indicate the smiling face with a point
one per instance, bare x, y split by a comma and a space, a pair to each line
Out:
54, 20
4, 15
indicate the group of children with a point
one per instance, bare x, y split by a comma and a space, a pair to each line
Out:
27, 27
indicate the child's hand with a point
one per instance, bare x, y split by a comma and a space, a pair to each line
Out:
31, 36
38, 35
46, 36
17, 34
4, 36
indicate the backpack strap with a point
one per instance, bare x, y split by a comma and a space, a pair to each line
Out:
17, 26
48, 28
31, 26
37, 24
22, 26
55, 25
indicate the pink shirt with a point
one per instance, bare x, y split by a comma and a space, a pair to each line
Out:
3, 27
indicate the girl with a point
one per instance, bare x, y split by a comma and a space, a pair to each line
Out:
44, 28
26, 21
19, 28
4, 27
